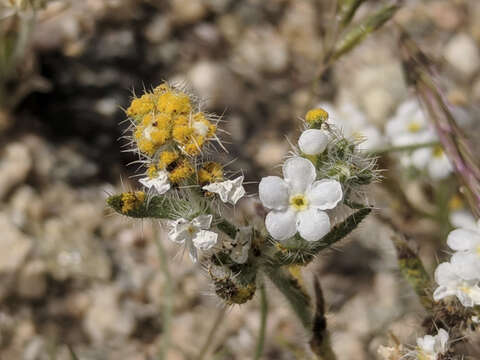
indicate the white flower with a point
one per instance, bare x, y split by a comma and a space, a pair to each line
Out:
429, 347
298, 201
434, 160
160, 182
194, 234
409, 125
447, 276
462, 219
354, 124
313, 141
466, 259
243, 241
230, 191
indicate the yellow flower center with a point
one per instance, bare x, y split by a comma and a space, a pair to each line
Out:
477, 250
299, 202
421, 355
466, 289
414, 127
437, 151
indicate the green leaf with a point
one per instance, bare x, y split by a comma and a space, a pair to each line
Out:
347, 9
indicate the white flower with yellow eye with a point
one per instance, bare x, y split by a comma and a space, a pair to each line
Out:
194, 234
409, 125
230, 191
430, 347
451, 282
297, 201
160, 183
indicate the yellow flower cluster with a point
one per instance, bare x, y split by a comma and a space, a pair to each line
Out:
209, 173
132, 200
167, 115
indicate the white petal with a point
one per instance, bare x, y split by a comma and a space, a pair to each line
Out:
243, 240
192, 251
427, 343
442, 292
445, 275
313, 141
467, 264
299, 173
160, 182
464, 298
281, 225
230, 191
203, 221
313, 224
463, 239
274, 193
475, 294
325, 194
421, 158
373, 139
179, 232
463, 219
205, 240
439, 167
441, 341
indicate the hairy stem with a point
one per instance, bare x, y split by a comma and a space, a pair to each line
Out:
263, 322
211, 334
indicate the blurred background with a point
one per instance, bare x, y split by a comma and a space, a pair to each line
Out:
72, 273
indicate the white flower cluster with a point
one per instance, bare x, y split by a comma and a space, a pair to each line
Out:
299, 200
430, 347
409, 126
460, 277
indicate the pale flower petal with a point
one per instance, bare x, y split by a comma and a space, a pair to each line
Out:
313, 224
421, 157
281, 224
441, 341
192, 251
160, 183
439, 167
426, 344
179, 231
313, 141
205, 240
463, 219
463, 239
467, 264
299, 173
325, 194
273, 192
442, 292
230, 191
203, 221
445, 274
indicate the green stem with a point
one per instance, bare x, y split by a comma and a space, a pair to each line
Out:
391, 149
293, 292
263, 322
168, 296
211, 334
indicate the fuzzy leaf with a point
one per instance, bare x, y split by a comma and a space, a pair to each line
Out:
136, 205
302, 252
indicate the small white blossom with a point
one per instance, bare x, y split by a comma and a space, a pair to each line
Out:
160, 183
354, 124
447, 276
466, 259
409, 125
313, 141
297, 202
230, 191
194, 234
430, 347
462, 219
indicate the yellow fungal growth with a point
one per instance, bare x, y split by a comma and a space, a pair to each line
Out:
174, 103
141, 106
132, 200
181, 172
209, 173
168, 117
166, 158
316, 116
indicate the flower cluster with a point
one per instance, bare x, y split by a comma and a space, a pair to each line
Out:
315, 179
461, 275
410, 127
172, 136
